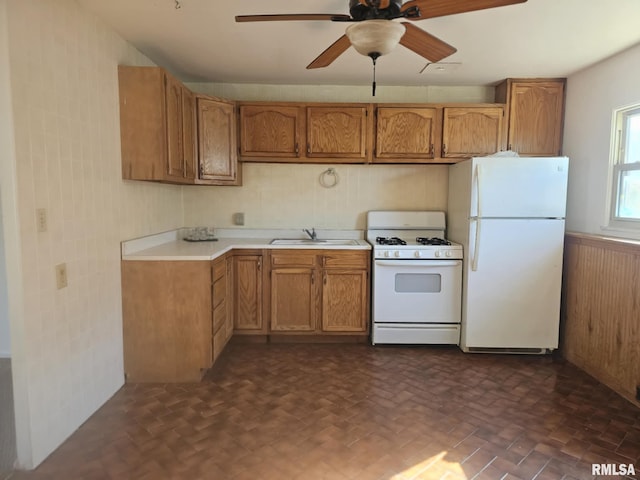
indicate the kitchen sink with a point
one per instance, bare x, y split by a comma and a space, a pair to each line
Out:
308, 241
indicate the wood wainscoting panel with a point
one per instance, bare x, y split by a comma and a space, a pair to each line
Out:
601, 310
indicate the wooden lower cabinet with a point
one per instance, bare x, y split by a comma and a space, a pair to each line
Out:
178, 316
293, 300
247, 291
345, 301
319, 291
221, 304
167, 320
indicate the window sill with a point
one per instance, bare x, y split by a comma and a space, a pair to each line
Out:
622, 232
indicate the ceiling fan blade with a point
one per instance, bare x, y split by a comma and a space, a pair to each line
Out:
327, 57
440, 8
425, 44
295, 16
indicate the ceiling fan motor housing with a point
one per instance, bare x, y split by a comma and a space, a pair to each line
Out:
370, 11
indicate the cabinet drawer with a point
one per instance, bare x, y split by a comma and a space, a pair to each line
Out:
219, 291
343, 260
219, 341
300, 259
219, 316
219, 269
229, 326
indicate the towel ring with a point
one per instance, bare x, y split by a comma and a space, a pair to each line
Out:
329, 183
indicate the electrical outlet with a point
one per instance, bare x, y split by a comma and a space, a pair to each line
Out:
238, 218
61, 275
41, 219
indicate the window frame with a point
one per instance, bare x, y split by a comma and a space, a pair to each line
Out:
619, 166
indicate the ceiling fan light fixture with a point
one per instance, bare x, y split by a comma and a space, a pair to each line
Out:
375, 36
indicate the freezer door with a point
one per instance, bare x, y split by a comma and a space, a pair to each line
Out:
512, 299
519, 187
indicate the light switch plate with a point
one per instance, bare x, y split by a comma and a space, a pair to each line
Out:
61, 275
238, 218
41, 219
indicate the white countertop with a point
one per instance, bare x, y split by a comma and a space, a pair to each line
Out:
170, 246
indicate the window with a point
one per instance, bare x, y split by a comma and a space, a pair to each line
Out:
625, 202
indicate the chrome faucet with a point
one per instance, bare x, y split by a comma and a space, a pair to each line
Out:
312, 234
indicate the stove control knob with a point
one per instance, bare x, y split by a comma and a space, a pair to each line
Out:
396, 253
438, 253
448, 253
386, 253
418, 254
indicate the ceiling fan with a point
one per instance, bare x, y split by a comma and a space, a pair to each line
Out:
373, 33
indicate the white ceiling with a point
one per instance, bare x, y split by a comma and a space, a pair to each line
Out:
202, 42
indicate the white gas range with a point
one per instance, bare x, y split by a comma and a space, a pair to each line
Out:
417, 279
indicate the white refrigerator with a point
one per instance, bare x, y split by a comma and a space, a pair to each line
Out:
509, 213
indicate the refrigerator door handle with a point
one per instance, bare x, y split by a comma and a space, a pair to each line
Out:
476, 241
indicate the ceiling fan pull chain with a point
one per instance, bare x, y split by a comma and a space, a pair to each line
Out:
374, 56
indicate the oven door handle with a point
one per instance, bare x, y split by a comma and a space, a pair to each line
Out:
419, 263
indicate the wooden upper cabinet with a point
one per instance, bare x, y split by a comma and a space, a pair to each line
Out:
270, 131
338, 132
156, 126
173, 107
189, 133
404, 134
536, 114
217, 157
472, 131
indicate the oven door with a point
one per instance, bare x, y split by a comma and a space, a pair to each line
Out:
417, 291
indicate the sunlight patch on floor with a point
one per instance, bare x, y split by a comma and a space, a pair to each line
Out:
434, 468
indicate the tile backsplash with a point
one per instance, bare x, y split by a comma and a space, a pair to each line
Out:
291, 196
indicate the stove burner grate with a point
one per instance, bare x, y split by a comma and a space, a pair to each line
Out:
390, 241
432, 241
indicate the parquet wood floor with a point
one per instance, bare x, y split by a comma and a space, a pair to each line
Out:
341, 412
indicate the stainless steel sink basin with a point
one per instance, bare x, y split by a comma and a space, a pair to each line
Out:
308, 241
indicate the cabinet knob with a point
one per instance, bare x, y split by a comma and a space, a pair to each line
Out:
444, 148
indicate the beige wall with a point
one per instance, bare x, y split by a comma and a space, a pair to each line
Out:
346, 93
290, 196
67, 344
588, 138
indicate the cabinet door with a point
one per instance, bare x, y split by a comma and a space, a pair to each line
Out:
404, 134
344, 301
535, 118
216, 141
337, 132
173, 112
247, 293
270, 131
471, 131
189, 133
293, 300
